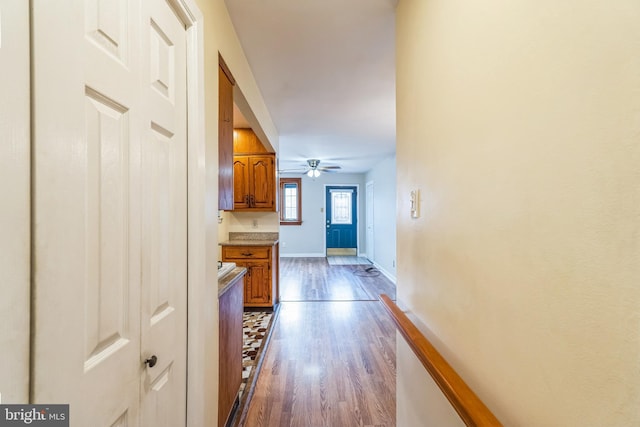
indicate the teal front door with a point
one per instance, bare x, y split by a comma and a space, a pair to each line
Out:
341, 219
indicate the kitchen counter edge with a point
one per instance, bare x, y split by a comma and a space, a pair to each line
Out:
269, 242
225, 283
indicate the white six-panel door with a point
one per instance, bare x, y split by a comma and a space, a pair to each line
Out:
164, 218
110, 211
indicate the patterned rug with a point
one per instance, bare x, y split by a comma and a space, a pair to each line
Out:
255, 327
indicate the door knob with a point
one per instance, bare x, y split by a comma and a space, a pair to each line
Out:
151, 362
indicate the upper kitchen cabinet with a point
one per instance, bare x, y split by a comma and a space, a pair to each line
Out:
245, 141
254, 174
254, 182
225, 137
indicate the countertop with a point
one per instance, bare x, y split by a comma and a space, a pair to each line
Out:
249, 242
225, 283
251, 239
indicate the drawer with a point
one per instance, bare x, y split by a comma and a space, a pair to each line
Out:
245, 252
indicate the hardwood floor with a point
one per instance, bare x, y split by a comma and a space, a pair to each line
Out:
330, 362
313, 279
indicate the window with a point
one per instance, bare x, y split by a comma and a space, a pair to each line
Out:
290, 201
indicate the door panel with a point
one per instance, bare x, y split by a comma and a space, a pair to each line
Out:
164, 219
341, 217
86, 211
107, 287
259, 283
241, 182
262, 181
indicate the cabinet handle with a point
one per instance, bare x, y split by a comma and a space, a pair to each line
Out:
246, 200
253, 200
247, 254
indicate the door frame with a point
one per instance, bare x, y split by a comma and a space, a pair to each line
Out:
358, 224
369, 220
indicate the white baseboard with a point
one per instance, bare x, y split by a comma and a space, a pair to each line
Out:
385, 272
303, 255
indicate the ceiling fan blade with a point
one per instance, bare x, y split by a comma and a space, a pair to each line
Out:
329, 167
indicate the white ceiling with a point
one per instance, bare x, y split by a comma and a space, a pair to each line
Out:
327, 74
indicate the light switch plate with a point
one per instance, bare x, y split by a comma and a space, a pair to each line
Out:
414, 200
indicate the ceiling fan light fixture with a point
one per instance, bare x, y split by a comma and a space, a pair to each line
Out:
313, 173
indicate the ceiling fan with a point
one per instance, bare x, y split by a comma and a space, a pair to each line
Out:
313, 169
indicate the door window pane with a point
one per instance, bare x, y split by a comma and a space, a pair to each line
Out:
341, 206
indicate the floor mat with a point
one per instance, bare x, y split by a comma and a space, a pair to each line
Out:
255, 327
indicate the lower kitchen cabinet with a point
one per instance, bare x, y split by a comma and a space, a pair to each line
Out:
231, 341
261, 280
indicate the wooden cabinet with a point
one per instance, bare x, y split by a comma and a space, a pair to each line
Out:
245, 141
231, 342
254, 182
225, 137
261, 280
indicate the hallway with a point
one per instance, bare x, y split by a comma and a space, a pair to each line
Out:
331, 360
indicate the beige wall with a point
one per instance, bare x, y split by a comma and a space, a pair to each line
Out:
219, 36
519, 121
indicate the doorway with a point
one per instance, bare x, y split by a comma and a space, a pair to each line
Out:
341, 220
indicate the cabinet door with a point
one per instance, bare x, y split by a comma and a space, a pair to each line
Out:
262, 182
241, 182
257, 289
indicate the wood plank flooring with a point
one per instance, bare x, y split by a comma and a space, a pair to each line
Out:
313, 279
330, 362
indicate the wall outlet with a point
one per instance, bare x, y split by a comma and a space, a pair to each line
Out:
255, 223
